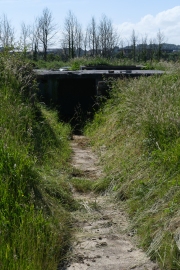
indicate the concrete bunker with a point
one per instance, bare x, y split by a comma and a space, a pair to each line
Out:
73, 98
75, 93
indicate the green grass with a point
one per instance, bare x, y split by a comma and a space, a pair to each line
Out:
35, 196
82, 185
75, 63
139, 129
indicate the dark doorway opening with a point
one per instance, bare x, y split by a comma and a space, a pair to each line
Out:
76, 101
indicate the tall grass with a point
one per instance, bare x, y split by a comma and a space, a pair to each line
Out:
138, 129
34, 196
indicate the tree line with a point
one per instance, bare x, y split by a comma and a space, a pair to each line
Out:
97, 39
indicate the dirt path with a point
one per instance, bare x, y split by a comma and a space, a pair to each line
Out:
102, 240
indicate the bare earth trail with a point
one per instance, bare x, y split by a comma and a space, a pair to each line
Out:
101, 240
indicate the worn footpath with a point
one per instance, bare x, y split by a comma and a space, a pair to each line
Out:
102, 238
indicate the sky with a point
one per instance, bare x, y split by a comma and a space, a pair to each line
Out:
146, 18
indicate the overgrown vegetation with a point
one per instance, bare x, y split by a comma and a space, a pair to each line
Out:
35, 197
137, 132
76, 63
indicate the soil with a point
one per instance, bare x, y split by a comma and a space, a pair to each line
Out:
102, 237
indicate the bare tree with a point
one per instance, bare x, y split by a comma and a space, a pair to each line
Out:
25, 37
34, 39
108, 37
85, 41
93, 36
103, 35
134, 44
65, 54
78, 40
46, 30
6, 33
70, 33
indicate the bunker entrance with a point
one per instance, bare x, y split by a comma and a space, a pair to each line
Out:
75, 99
75, 93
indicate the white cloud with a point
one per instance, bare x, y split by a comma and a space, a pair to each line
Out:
168, 22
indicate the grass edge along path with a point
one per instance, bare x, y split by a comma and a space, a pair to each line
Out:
35, 198
137, 135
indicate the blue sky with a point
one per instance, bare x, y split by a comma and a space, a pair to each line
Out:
145, 17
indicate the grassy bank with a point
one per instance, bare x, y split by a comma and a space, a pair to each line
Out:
35, 198
137, 133
75, 63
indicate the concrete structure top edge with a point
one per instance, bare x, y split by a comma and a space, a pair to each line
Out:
42, 72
